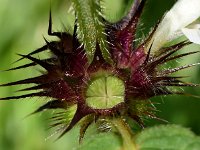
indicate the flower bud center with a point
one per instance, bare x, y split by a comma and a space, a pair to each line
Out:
105, 92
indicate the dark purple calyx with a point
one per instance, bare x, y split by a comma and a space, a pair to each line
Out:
100, 89
122, 36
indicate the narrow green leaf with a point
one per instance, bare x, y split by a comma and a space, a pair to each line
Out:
167, 137
91, 27
101, 35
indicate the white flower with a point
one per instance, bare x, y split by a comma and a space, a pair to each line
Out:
192, 32
177, 21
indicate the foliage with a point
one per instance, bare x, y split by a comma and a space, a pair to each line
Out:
163, 137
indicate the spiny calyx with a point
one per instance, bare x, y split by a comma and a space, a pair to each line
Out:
100, 89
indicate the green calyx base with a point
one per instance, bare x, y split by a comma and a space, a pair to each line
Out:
105, 92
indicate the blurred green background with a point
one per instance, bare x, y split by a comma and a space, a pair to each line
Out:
22, 27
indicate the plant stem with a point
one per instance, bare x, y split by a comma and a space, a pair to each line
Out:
126, 133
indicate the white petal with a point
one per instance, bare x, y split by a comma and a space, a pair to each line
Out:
193, 34
182, 14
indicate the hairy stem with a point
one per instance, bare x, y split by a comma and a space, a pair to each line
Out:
126, 133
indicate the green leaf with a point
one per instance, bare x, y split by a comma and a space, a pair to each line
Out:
91, 27
167, 137
101, 141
